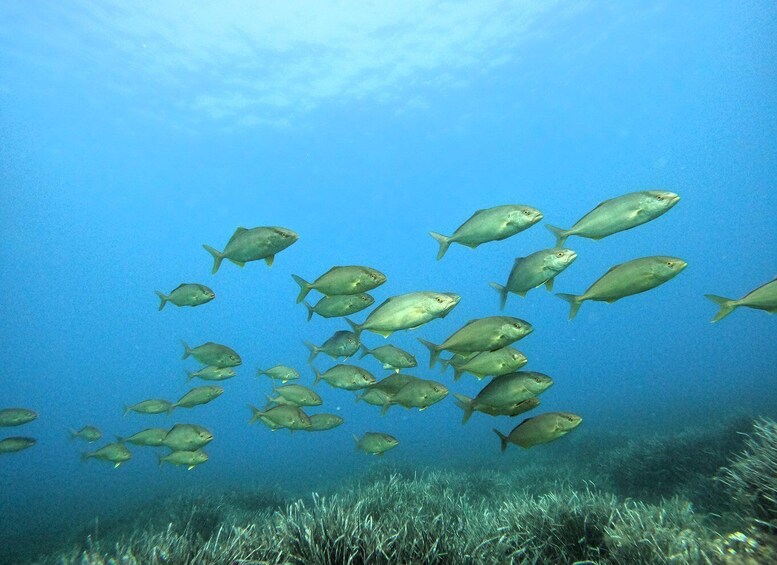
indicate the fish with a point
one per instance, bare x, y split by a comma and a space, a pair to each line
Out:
512, 409
187, 437
198, 395
489, 224
152, 406
14, 444
187, 458
762, 298
541, 267
350, 279
504, 392
211, 373
626, 279
618, 214
540, 429
342, 344
323, 422
281, 416
375, 443
379, 393
482, 334
117, 453
279, 372
418, 393
340, 305
187, 294
347, 377
151, 437
253, 245
407, 311
296, 395
391, 357
16, 416
487, 363
213, 354
89, 434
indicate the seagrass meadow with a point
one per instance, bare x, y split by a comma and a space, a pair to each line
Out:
436, 282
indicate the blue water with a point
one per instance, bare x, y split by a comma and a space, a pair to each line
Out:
128, 138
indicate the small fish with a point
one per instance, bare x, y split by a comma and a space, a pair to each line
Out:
213, 354
187, 458
348, 377
282, 416
488, 363
198, 395
534, 270
418, 393
14, 444
296, 395
490, 224
151, 437
89, 434
340, 305
211, 373
323, 422
504, 392
352, 279
626, 279
253, 245
187, 294
152, 406
16, 416
619, 214
116, 453
540, 429
342, 344
187, 437
279, 372
375, 443
762, 298
380, 393
482, 334
392, 357
407, 311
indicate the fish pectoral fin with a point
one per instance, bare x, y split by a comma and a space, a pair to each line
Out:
269, 260
190, 467
384, 333
238, 263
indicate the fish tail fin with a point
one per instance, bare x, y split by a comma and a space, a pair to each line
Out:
457, 374
313, 350
255, 413
574, 300
357, 397
434, 351
561, 234
727, 306
310, 310
444, 364
465, 403
186, 349
72, 434
126, 409
357, 328
162, 297
444, 242
218, 257
502, 294
365, 351
318, 375
85, 456
304, 286
120, 439
502, 438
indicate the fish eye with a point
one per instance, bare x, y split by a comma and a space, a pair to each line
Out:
670, 263
525, 212
364, 299
537, 380
439, 300
659, 197
373, 276
517, 326
560, 254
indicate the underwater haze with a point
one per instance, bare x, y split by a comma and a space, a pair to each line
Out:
132, 134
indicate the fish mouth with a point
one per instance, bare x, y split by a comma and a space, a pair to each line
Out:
453, 296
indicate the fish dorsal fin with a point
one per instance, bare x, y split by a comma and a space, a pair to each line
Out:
611, 269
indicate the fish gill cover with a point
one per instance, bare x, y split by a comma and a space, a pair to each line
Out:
249, 269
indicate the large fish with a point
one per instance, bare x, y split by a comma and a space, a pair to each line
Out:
342, 344
186, 458
511, 410
198, 395
323, 422
375, 443
187, 294
391, 356
252, 245
351, 279
117, 453
211, 373
281, 416
348, 377
407, 311
339, 305
14, 444
89, 434
762, 298
151, 406
16, 416
626, 279
296, 395
619, 214
488, 363
482, 334
187, 437
540, 429
417, 393
533, 270
490, 224
504, 392
151, 437
281, 373
213, 354
380, 393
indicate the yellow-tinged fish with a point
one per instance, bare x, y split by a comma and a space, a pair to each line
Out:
14, 444
348, 377
253, 245
417, 393
340, 305
281, 416
296, 395
88, 433
619, 214
342, 344
392, 357
16, 416
117, 453
626, 279
151, 437
504, 393
534, 270
488, 363
323, 422
199, 395
375, 443
762, 298
350, 279
210, 373
407, 311
213, 354
490, 224
151, 406
540, 429
378, 394
187, 294
187, 458
281, 373
187, 437
511, 410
